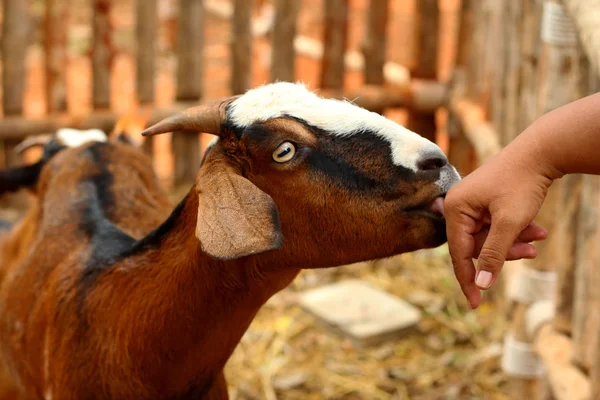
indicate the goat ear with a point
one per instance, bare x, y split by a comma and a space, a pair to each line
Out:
235, 218
16, 178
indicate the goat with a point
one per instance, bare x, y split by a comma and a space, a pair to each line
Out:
120, 297
14, 246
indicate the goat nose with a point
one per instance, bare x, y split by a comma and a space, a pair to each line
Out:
432, 161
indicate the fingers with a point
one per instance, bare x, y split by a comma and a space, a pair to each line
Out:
464, 270
503, 233
520, 249
461, 247
517, 251
532, 232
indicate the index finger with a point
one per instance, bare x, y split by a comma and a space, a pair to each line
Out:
461, 245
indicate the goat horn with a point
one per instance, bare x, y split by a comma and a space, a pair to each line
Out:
38, 140
205, 118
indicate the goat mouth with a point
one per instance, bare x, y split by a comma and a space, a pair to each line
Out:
433, 209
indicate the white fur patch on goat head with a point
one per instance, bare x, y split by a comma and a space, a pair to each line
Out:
337, 117
75, 137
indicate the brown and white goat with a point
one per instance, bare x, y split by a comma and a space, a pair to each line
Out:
110, 303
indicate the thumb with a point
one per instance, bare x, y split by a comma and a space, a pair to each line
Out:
503, 233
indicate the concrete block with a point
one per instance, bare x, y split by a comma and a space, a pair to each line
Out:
364, 314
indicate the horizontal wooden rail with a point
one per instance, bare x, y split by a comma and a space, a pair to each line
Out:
477, 129
18, 128
425, 96
422, 95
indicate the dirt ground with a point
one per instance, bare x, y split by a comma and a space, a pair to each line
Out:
286, 353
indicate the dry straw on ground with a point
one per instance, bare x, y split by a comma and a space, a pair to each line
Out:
454, 354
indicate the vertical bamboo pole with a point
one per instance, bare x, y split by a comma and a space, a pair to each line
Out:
584, 280
586, 310
595, 372
564, 77
478, 82
530, 54
503, 44
55, 52
241, 46
427, 14
514, 34
375, 42
565, 262
102, 54
284, 32
335, 42
16, 31
145, 32
595, 351
558, 84
190, 49
465, 32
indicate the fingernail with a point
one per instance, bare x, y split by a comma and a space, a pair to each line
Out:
484, 279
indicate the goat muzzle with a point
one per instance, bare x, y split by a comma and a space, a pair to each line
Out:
206, 118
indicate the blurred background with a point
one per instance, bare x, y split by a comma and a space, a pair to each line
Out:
469, 75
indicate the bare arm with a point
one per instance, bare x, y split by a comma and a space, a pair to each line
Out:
569, 137
489, 213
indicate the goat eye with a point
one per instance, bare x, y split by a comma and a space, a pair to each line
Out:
284, 153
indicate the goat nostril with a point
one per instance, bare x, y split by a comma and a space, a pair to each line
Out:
432, 162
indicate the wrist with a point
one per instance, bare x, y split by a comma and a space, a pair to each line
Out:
537, 153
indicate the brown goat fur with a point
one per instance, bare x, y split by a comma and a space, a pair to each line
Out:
118, 299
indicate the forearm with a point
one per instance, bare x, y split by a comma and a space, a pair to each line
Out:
563, 141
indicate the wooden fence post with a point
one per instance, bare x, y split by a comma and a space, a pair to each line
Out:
241, 46
427, 15
335, 40
514, 34
530, 55
559, 82
55, 52
594, 374
586, 310
375, 42
478, 82
146, 19
190, 84
102, 54
282, 45
460, 153
16, 32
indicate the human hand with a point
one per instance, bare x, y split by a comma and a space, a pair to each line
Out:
489, 216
